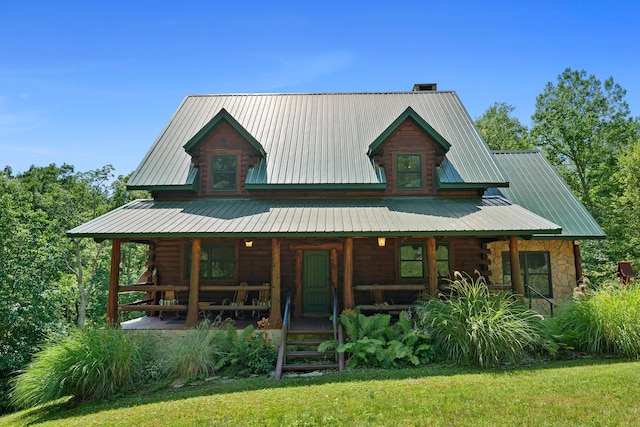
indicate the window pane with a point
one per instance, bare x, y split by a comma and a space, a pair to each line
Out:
224, 172
411, 261
541, 284
411, 269
442, 260
408, 171
537, 262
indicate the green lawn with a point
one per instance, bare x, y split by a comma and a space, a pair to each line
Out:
583, 392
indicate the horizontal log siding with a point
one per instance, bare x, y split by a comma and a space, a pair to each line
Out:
224, 141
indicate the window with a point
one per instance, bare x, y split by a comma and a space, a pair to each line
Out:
442, 260
535, 271
412, 260
408, 171
224, 173
217, 261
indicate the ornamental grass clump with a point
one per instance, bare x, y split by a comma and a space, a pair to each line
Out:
195, 354
88, 365
479, 327
604, 321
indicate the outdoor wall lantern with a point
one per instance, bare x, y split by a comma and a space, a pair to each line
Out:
382, 241
248, 243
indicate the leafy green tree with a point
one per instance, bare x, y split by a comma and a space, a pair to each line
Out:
501, 131
28, 302
582, 125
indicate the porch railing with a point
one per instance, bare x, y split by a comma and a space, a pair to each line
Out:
286, 322
529, 289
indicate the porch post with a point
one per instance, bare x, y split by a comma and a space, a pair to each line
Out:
517, 286
275, 316
114, 279
297, 293
577, 259
194, 284
432, 267
348, 300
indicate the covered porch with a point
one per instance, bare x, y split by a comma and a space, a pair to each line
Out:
377, 253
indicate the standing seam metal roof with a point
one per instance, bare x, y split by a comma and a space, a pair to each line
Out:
537, 187
348, 217
320, 138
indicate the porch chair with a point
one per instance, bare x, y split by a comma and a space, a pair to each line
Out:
378, 298
168, 298
239, 298
263, 300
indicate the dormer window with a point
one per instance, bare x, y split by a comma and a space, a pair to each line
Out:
408, 171
224, 173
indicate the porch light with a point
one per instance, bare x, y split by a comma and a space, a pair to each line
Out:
382, 241
248, 243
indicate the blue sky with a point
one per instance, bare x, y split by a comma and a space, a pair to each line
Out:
93, 83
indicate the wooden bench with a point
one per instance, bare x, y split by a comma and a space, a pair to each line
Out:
377, 293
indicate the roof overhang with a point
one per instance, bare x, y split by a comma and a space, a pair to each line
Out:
419, 216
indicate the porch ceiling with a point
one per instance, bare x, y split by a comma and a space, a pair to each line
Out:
312, 217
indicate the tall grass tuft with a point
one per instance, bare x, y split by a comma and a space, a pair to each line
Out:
602, 321
88, 365
476, 326
194, 354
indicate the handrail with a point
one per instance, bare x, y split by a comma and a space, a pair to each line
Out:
551, 303
283, 342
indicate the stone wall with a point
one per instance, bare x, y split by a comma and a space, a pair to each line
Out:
563, 270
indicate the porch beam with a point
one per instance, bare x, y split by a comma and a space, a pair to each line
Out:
348, 300
275, 317
194, 283
432, 266
517, 287
114, 280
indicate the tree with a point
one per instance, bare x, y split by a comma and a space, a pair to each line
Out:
582, 124
501, 131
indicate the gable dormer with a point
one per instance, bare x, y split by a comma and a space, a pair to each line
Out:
409, 151
223, 152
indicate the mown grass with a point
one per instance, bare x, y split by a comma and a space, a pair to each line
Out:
578, 392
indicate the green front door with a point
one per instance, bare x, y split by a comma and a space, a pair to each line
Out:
316, 289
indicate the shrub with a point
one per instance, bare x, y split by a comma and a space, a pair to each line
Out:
245, 353
602, 321
194, 354
479, 327
371, 341
88, 365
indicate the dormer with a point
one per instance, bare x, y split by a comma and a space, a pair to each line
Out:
223, 152
409, 151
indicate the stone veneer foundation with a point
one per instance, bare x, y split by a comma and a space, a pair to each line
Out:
563, 269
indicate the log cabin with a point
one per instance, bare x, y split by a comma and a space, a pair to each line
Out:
338, 200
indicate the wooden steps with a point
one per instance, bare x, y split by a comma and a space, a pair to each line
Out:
301, 351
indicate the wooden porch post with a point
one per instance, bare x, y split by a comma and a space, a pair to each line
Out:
432, 267
114, 279
275, 316
333, 262
517, 287
577, 259
348, 300
297, 295
194, 284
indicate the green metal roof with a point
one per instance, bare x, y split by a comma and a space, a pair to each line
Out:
488, 216
536, 186
320, 139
